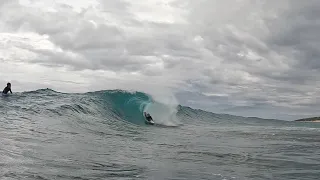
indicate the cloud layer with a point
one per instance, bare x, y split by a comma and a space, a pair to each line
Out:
245, 57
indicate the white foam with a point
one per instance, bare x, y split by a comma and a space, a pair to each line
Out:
163, 113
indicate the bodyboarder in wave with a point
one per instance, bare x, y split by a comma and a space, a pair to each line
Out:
148, 118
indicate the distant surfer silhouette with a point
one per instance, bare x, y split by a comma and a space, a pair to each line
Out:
7, 89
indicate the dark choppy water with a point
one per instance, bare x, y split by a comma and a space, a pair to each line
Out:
102, 135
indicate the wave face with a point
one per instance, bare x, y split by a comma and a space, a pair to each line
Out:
127, 106
109, 105
114, 105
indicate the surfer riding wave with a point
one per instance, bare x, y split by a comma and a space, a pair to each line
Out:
148, 117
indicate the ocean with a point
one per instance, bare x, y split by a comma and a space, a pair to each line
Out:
46, 134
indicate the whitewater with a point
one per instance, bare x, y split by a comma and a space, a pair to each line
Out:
46, 134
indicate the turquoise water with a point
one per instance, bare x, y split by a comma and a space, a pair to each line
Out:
102, 135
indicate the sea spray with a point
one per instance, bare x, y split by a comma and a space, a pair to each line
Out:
162, 114
163, 107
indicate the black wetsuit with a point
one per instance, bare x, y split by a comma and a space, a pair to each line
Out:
149, 118
6, 90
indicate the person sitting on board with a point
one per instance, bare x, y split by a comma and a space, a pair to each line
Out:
148, 117
7, 89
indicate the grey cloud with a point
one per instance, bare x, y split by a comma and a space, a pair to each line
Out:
116, 7
270, 74
102, 46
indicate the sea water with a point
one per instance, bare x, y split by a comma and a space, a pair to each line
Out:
102, 135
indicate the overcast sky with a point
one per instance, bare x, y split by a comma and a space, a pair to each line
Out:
243, 57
